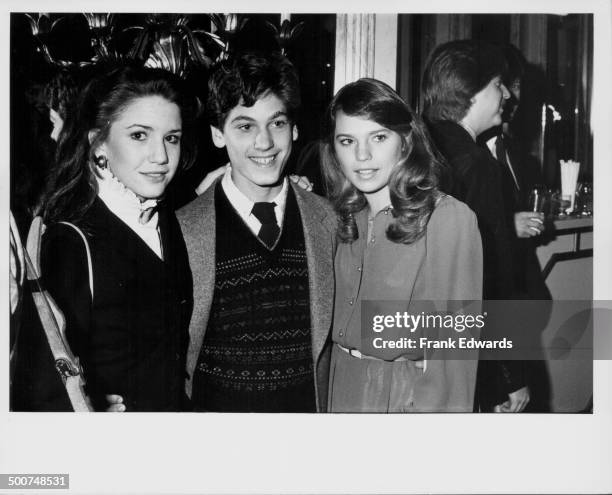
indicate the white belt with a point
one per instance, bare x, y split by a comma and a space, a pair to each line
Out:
357, 354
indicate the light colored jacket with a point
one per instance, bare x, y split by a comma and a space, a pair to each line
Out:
198, 220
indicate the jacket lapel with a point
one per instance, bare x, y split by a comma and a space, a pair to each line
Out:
197, 221
108, 228
319, 236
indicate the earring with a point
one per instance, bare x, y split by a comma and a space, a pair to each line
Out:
101, 161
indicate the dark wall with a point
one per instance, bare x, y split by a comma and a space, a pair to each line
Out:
312, 52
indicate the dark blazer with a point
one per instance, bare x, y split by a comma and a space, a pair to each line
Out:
528, 280
197, 221
475, 177
132, 338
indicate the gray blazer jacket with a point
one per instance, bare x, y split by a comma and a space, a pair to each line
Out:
197, 221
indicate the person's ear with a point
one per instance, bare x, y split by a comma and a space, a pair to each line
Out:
91, 137
295, 132
217, 136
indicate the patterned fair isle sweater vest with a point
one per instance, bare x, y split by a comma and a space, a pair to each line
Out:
257, 352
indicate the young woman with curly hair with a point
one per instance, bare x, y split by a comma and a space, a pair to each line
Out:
401, 240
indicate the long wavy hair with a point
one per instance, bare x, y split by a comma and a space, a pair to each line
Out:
413, 182
72, 186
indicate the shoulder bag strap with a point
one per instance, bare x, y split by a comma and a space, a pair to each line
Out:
89, 266
54, 323
16, 283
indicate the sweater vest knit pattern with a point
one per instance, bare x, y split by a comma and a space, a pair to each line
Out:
257, 352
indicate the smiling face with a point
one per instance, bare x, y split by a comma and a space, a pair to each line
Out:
367, 153
258, 140
487, 106
143, 145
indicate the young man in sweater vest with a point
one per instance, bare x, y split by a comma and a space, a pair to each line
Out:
261, 254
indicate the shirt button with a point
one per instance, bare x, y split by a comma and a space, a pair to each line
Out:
341, 334
351, 302
373, 240
358, 268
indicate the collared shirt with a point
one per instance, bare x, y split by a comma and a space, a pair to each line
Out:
244, 206
491, 144
445, 264
124, 204
372, 268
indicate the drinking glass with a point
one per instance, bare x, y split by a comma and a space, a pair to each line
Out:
584, 199
538, 199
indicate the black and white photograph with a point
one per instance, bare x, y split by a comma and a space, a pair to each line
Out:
334, 249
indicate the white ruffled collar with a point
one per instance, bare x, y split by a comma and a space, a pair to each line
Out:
123, 201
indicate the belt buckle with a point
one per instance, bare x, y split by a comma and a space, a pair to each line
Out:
351, 352
356, 353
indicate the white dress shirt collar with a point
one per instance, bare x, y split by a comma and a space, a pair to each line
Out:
244, 205
492, 145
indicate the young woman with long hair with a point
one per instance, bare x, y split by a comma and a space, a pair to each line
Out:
127, 301
401, 240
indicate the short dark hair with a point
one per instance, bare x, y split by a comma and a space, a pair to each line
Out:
246, 77
72, 187
454, 73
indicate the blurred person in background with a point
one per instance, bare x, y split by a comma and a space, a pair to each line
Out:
520, 174
464, 96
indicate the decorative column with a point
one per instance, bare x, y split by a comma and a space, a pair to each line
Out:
355, 38
385, 48
366, 46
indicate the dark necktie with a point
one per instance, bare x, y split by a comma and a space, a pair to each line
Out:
264, 212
